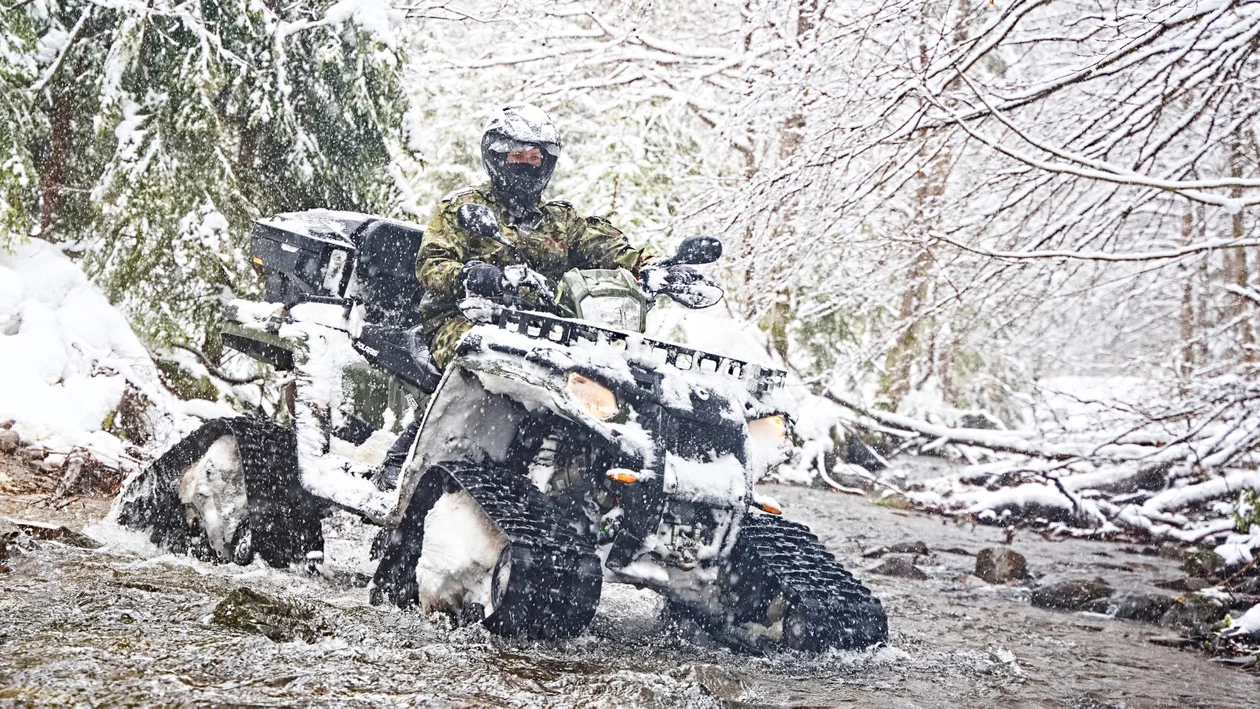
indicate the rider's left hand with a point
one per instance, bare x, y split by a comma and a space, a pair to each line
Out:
660, 279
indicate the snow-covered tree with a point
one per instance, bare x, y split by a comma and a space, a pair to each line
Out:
162, 128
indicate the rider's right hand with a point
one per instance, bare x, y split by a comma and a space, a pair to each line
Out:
481, 278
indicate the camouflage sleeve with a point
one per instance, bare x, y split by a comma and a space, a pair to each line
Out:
595, 243
441, 256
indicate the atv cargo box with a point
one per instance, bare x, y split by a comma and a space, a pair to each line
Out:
327, 254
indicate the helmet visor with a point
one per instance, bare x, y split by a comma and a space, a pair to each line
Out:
503, 144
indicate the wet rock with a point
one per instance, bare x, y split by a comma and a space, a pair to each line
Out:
278, 619
1195, 614
9, 441
1168, 550
1070, 595
900, 567
32, 454
1146, 607
717, 681
1171, 641
1000, 565
65, 535
919, 548
1184, 585
1249, 585
1202, 562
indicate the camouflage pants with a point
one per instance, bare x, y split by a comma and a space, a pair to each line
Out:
446, 337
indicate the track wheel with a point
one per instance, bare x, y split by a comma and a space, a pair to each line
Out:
545, 582
783, 583
226, 492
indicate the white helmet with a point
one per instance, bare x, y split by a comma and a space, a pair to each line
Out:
520, 126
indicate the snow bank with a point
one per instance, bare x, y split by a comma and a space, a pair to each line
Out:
66, 355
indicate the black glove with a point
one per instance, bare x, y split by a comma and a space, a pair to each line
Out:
657, 279
482, 279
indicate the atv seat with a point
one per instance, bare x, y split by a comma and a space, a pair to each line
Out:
386, 271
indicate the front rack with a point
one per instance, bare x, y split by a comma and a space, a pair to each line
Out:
566, 332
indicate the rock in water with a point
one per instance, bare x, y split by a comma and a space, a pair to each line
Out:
1146, 607
1202, 562
900, 567
1070, 595
278, 619
62, 534
919, 548
1001, 565
1195, 614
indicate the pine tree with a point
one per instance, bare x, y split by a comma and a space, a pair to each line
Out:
161, 129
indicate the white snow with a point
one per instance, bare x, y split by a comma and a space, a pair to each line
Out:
1248, 624
66, 356
721, 483
376, 17
215, 487
461, 547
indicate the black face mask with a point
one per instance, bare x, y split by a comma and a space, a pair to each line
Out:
518, 186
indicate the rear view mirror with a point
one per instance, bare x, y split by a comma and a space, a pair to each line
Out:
479, 220
697, 250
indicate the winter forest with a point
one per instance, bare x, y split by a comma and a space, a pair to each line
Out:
1008, 251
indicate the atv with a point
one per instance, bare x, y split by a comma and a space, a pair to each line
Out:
560, 450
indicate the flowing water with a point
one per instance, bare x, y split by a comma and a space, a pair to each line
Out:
125, 625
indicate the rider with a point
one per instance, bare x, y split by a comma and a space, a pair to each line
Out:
520, 147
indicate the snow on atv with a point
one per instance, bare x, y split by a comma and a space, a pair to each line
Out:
561, 449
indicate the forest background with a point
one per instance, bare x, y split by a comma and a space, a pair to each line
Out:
1022, 234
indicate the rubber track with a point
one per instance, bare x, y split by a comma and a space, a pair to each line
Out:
556, 576
283, 519
832, 608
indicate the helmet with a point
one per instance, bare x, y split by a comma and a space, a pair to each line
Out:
520, 126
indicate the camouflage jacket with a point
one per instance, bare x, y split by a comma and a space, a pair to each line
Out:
560, 241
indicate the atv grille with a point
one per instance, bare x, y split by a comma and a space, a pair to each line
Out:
652, 353
701, 440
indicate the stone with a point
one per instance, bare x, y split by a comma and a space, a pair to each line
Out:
718, 682
278, 619
53, 462
1195, 614
9, 441
65, 535
1184, 585
920, 548
1070, 595
1001, 565
1171, 641
900, 567
32, 454
1202, 562
1146, 607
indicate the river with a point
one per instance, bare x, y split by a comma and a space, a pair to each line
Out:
126, 625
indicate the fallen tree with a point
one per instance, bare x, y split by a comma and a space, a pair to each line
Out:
1176, 469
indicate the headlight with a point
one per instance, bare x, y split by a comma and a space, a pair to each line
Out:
771, 429
596, 398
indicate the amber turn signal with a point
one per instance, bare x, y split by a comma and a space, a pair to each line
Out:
622, 476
